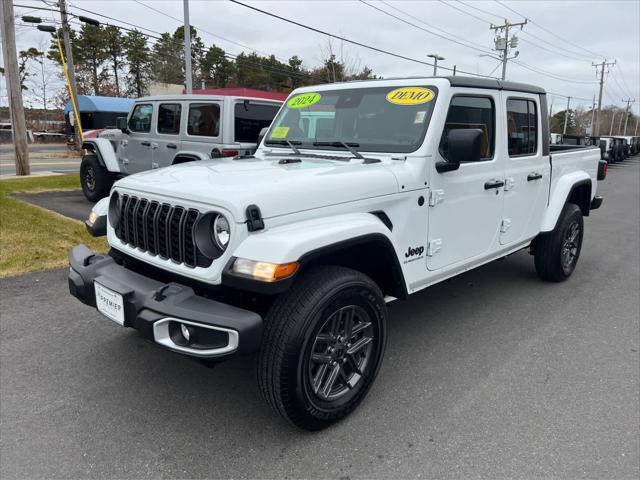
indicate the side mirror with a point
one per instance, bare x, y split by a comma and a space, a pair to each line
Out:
121, 124
261, 135
464, 145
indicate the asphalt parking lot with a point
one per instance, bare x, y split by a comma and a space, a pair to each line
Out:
494, 374
47, 157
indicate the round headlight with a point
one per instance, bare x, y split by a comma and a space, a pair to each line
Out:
221, 232
114, 210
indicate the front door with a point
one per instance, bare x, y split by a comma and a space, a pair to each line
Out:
136, 146
465, 205
527, 172
167, 141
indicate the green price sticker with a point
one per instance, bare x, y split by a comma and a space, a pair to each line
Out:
303, 100
280, 132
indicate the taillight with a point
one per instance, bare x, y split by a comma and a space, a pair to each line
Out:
230, 153
602, 170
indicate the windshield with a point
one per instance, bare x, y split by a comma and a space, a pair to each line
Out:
381, 119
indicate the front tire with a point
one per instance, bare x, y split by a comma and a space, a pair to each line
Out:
557, 252
95, 180
322, 347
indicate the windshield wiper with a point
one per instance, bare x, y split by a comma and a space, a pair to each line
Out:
290, 143
351, 146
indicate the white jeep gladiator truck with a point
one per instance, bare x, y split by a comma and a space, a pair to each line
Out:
170, 129
359, 194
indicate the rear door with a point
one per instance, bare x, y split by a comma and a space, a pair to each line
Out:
167, 141
203, 131
465, 205
527, 172
136, 146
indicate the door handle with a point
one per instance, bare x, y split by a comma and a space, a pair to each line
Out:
534, 176
172, 145
493, 184
145, 144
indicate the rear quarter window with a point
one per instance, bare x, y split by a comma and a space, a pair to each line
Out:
250, 118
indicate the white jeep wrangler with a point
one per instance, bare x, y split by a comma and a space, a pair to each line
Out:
359, 194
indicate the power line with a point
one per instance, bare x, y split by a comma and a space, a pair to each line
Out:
419, 27
549, 31
449, 4
548, 74
480, 10
115, 19
344, 39
206, 31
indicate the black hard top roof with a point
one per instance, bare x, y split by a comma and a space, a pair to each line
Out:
473, 82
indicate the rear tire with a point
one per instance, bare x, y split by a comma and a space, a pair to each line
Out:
557, 252
322, 346
95, 180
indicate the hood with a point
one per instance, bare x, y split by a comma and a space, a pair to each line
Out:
278, 189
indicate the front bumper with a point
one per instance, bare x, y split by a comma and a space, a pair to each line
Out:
150, 305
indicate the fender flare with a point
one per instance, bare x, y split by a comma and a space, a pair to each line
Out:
560, 195
190, 155
104, 151
308, 241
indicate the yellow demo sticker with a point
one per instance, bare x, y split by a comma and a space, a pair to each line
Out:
410, 95
280, 132
303, 100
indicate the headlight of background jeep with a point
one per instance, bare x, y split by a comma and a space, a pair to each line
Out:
114, 210
212, 234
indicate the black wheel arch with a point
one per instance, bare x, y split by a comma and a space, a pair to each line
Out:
184, 158
372, 254
91, 147
580, 194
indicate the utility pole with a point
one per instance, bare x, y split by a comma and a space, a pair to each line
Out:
593, 113
18, 123
626, 113
566, 117
612, 119
71, 72
503, 44
187, 49
620, 123
435, 57
636, 133
600, 67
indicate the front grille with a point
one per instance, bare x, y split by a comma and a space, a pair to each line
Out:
161, 229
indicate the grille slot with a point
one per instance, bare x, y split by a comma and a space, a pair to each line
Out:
161, 229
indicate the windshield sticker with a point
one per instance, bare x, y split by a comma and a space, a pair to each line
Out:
420, 116
303, 100
410, 96
280, 132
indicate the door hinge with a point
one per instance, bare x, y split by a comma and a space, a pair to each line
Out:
505, 225
436, 197
154, 165
434, 247
509, 183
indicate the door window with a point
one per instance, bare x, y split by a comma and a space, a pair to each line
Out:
250, 118
522, 121
204, 120
140, 120
169, 118
467, 111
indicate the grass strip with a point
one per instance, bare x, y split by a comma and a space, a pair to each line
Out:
33, 238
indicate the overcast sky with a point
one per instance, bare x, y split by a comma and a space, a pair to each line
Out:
591, 30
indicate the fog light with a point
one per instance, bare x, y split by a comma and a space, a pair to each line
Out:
186, 331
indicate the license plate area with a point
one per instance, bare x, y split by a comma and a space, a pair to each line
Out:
109, 303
